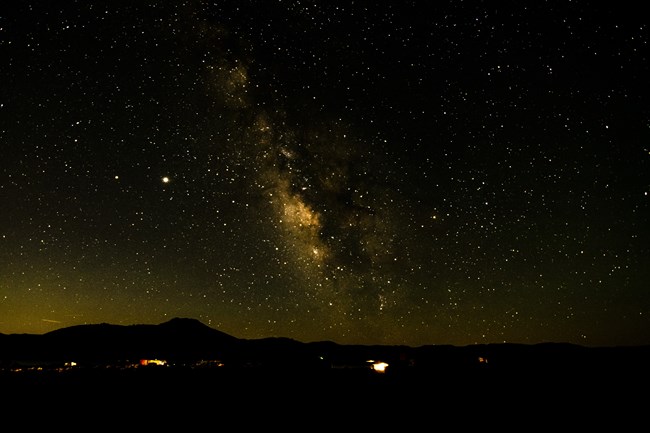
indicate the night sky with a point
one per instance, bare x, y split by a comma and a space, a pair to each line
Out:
412, 172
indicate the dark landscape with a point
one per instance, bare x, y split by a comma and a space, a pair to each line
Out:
182, 358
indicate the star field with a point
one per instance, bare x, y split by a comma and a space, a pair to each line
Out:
414, 173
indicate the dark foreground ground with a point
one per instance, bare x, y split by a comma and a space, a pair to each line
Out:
341, 399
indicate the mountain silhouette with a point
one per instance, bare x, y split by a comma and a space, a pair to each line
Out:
186, 369
189, 342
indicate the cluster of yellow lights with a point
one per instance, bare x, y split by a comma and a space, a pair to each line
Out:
153, 362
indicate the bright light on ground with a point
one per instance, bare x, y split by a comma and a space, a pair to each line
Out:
379, 367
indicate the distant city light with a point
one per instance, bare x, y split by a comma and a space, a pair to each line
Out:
379, 367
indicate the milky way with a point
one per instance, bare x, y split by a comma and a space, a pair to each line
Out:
362, 172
